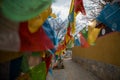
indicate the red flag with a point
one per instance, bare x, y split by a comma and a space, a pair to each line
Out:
83, 41
37, 41
78, 6
68, 31
48, 61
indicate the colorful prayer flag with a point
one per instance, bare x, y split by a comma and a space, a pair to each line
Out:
78, 6
93, 34
34, 41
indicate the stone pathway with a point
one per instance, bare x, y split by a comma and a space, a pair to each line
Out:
72, 71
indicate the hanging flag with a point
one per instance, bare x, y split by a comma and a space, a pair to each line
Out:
60, 47
50, 32
73, 24
68, 31
53, 15
85, 33
52, 51
92, 35
35, 23
34, 41
68, 35
71, 17
78, 5
50, 71
9, 36
38, 72
83, 41
67, 38
77, 42
71, 6
110, 16
48, 59
70, 44
23, 10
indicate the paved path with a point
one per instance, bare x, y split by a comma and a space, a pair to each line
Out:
72, 71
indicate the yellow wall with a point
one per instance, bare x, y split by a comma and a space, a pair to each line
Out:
107, 49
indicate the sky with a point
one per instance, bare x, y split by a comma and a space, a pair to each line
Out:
61, 8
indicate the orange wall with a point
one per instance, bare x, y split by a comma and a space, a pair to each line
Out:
107, 49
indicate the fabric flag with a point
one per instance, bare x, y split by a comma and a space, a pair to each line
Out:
68, 35
78, 6
60, 47
53, 15
92, 23
77, 42
34, 60
23, 10
24, 64
70, 44
68, 31
35, 23
50, 32
92, 35
110, 16
67, 38
71, 17
83, 41
34, 41
73, 24
85, 33
52, 51
48, 61
9, 36
71, 6
50, 71
38, 72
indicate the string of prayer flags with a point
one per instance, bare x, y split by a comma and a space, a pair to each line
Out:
48, 61
71, 17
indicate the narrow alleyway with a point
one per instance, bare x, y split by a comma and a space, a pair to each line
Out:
72, 71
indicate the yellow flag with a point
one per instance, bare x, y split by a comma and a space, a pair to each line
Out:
73, 24
92, 34
35, 23
53, 15
71, 6
92, 24
67, 38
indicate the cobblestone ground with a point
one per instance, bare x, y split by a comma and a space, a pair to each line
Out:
72, 71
